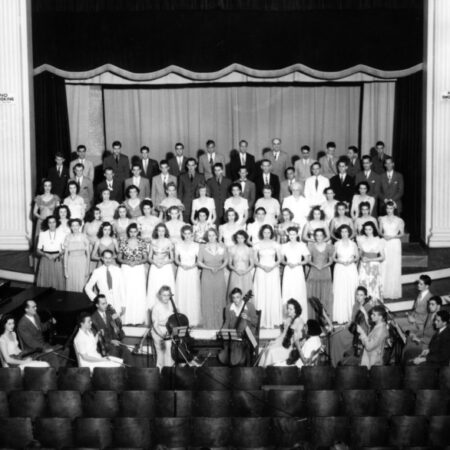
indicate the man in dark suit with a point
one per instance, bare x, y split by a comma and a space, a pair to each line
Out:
149, 167
118, 161
86, 191
141, 182
115, 188
285, 185
354, 163
378, 157
266, 177
188, 185
242, 158
219, 189
59, 176
105, 322
248, 189
438, 352
31, 334
177, 164
391, 186
371, 177
342, 184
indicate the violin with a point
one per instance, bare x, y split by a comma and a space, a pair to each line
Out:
101, 342
116, 323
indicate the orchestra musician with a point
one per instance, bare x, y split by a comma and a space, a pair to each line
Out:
239, 315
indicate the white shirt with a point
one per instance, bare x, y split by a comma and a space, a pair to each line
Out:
180, 162
144, 164
266, 178
136, 181
51, 241
114, 296
243, 158
315, 196
32, 319
299, 207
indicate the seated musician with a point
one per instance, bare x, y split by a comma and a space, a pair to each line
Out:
279, 349
160, 313
374, 342
10, 353
108, 323
239, 316
420, 336
31, 333
85, 345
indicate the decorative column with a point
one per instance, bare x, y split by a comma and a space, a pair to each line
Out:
437, 75
16, 124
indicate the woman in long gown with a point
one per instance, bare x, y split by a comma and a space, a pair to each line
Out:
187, 284
267, 278
132, 257
213, 259
74, 201
371, 249
341, 218
286, 221
91, 226
133, 203
392, 229
202, 225
363, 217
76, 257
319, 283
44, 205
316, 219
175, 224
329, 205
345, 280
63, 216
105, 241
363, 190
161, 264
203, 201
10, 350
169, 201
254, 227
240, 263
107, 207
230, 227
294, 256
237, 203
270, 204
147, 222
50, 249
279, 349
121, 222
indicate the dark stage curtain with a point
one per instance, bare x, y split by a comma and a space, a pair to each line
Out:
408, 149
205, 40
51, 121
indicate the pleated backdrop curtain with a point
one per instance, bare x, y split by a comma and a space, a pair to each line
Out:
298, 115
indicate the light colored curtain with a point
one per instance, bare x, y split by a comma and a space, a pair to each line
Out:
85, 110
377, 115
298, 115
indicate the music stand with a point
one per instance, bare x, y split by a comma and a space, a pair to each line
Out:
229, 335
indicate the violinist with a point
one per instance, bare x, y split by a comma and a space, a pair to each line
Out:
107, 322
161, 311
239, 315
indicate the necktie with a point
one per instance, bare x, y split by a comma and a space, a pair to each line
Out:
110, 185
109, 278
367, 175
317, 183
330, 163
191, 177
79, 182
117, 160
211, 161
389, 177
266, 181
218, 181
276, 156
342, 179
165, 181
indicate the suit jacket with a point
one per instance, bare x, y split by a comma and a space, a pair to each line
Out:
373, 180
121, 168
439, 348
59, 183
174, 168
280, 165
231, 317
235, 164
108, 331
219, 192
187, 190
374, 346
249, 193
344, 190
152, 169
204, 166
302, 169
315, 196
329, 168
158, 191
32, 337
116, 193
354, 168
274, 181
86, 191
392, 190
420, 308
377, 163
144, 186
88, 168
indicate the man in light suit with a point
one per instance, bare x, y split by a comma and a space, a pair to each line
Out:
354, 163
111, 286
315, 186
188, 187
242, 158
342, 184
160, 183
85, 184
303, 165
371, 177
248, 189
219, 189
118, 161
378, 157
149, 166
419, 312
280, 159
59, 176
329, 161
391, 186
177, 164
140, 182
208, 159
88, 166
267, 177
286, 185
115, 188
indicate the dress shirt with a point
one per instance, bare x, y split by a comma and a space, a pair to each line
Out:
136, 181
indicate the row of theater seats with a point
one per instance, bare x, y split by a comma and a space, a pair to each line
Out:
223, 378
399, 432
272, 403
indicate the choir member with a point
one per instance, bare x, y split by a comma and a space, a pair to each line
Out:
237, 203
203, 201
303, 165
63, 216
91, 226
240, 263
363, 190
133, 202
231, 225
286, 221
316, 220
107, 206
105, 241
298, 204
329, 205
315, 186
254, 227
45, 204
147, 222
74, 202
169, 201
175, 223
270, 204
121, 222
363, 217
219, 189
341, 218
202, 225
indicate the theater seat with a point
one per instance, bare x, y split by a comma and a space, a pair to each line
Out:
408, 431
358, 402
351, 377
251, 432
54, 431
431, 402
178, 378
109, 379
213, 379
100, 404
248, 404
444, 378
325, 431
10, 379
318, 377
15, 432
322, 403
439, 431
288, 431
39, 379
132, 432
247, 378
385, 377
65, 404
368, 431
286, 403
4, 408
396, 402
174, 403
420, 377
27, 404
172, 431
74, 379
93, 432
211, 403
282, 376
138, 404
143, 379
211, 432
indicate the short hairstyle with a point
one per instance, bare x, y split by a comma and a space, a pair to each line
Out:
78, 166
437, 299
129, 189
171, 184
218, 164
74, 183
101, 230
363, 183
144, 148
46, 180
81, 148
381, 310
235, 291
59, 155
117, 144
163, 162
341, 228
390, 203
82, 317
313, 327
132, 226
371, 225
362, 289
329, 188
389, 158
305, 147
338, 204
44, 225
136, 164
104, 252
191, 160
164, 288
266, 227
108, 168
379, 143
146, 202
236, 185
202, 210
426, 279
243, 141
77, 220
185, 228
66, 208
316, 208
265, 160
210, 142
240, 233
316, 163
99, 296
288, 168
293, 228
157, 227
367, 157
243, 168
296, 305
444, 315
331, 144
173, 208
231, 210
319, 230
179, 144
354, 149
342, 160
267, 187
